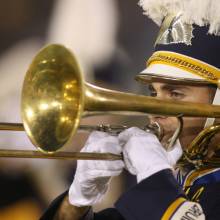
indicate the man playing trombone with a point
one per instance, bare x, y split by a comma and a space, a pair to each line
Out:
184, 67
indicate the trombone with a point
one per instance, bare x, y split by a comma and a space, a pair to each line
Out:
113, 129
55, 98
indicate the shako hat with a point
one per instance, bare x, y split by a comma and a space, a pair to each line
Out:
187, 48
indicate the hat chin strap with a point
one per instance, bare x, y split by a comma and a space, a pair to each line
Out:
216, 100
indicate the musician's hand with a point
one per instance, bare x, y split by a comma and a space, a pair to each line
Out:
144, 154
92, 176
175, 154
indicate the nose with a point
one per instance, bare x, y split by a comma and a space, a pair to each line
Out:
162, 95
156, 118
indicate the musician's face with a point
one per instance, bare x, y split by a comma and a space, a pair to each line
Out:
181, 93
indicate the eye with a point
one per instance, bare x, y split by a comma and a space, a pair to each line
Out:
176, 94
153, 93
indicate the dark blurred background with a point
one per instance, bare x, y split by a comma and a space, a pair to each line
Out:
112, 40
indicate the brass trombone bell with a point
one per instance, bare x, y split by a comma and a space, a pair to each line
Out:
55, 97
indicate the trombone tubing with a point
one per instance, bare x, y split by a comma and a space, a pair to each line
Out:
100, 99
11, 126
57, 155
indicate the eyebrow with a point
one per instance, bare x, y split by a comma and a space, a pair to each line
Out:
169, 87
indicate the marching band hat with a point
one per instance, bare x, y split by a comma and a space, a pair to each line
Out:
187, 48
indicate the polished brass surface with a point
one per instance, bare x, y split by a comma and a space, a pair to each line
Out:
99, 99
197, 153
111, 129
11, 126
4, 153
58, 155
54, 96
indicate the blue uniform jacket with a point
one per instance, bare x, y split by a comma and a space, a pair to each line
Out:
161, 196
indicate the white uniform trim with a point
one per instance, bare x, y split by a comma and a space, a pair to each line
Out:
170, 71
189, 211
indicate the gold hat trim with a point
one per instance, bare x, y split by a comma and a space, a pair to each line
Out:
186, 63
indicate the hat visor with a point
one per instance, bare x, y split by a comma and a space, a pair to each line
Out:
169, 74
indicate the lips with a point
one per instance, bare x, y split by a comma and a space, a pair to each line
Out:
166, 123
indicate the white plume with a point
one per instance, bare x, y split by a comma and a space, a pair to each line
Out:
200, 12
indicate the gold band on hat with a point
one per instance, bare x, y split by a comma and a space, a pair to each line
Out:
197, 67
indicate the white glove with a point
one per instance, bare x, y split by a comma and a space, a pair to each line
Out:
92, 176
144, 154
175, 154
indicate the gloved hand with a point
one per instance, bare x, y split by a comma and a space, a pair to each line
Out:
92, 176
144, 155
175, 154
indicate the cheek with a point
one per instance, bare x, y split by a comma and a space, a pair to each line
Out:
199, 96
192, 127
169, 124
194, 122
